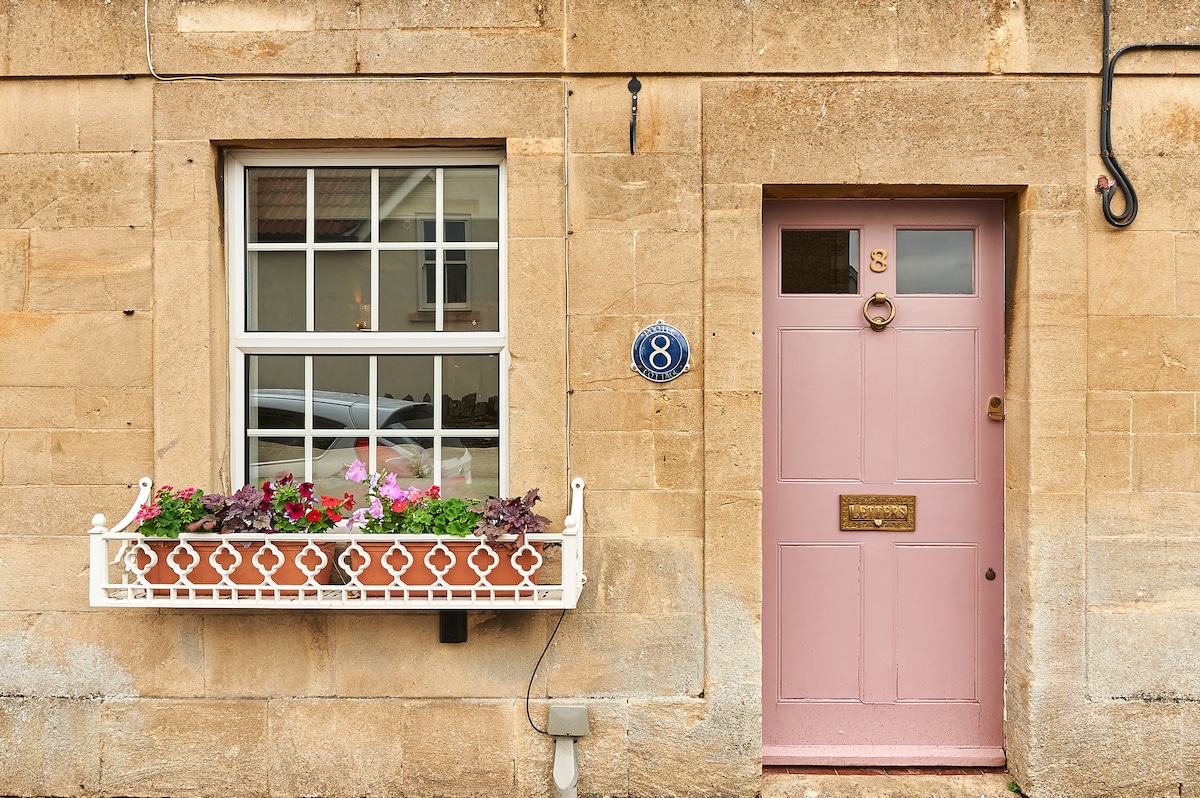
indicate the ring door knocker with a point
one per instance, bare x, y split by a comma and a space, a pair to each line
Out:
879, 322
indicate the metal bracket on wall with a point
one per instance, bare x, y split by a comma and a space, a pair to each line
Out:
635, 86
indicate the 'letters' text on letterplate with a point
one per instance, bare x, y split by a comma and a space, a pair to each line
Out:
879, 513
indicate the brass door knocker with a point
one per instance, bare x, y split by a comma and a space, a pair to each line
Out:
879, 322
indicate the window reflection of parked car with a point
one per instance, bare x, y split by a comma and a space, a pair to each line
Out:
340, 423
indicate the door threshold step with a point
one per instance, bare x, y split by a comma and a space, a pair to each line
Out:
847, 782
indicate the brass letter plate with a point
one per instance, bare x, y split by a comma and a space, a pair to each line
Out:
879, 513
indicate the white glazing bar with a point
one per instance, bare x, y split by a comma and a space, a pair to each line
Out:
374, 297
439, 254
373, 410
308, 418
310, 267
437, 418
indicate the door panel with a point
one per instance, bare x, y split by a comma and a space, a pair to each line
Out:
882, 647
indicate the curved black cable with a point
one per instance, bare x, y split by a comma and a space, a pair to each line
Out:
533, 675
1120, 180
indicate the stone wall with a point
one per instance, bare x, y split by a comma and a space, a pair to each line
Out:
110, 201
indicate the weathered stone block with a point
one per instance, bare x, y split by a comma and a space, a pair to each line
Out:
479, 50
1159, 514
640, 513
25, 458
33, 408
90, 269
1142, 653
105, 408
1109, 458
489, 731
1109, 411
1131, 274
45, 574
366, 756
115, 115
450, 109
1164, 412
14, 269
456, 14
1064, 37
39, 116
671, 734
630, 192
893, 131
826, 36
600, 353
962, 38
609, 656
100, 457
733, 451
52, 746
1139, 572
61, 510
75, 190
653, 576
602, 272
93, 39
254, 51
733, 547
625, 38
1166, 462
186, 205
152, 747
535, 196
1144, 353
615, 460
668, 115
393, 654
669, 269
268, 655
603, 755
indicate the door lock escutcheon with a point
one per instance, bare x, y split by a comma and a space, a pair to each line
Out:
879, 322
996, 408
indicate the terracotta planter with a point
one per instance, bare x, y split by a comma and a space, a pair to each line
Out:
419, 575
246, 574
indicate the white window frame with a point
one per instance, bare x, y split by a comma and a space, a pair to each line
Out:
424, 304
440, 342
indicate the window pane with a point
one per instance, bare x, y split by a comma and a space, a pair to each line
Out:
472, 193
398, 287
272, 458
275, 397
470, 391
343, 205
276, 201
341, 385
405, 197
477, 283
935, 261
471, 467
275, 291
342, 285
408, 378
819, 262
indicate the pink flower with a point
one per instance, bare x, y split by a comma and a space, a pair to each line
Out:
147, 512
389, 489
357, 471
376, 510
187, 493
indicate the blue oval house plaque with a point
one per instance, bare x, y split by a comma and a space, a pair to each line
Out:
660, 352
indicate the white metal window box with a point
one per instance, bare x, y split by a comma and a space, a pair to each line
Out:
336, 570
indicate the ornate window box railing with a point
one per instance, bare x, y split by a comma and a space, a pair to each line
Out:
337, 570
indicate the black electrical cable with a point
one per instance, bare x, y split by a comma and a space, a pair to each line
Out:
1120, 180
533, 675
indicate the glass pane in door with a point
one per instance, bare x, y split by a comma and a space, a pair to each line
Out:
935, 261
819, 262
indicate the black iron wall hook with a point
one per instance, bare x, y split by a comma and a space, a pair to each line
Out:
635, 86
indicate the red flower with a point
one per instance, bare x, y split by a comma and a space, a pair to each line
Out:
333, 515
329, 501
294, 511
348, 502
434, 491
306, 490
399, 505
314, 515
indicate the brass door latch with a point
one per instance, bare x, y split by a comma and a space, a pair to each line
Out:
996, 408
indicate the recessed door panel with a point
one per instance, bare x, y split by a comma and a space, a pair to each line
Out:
935, 622
820, 431
883, 642
822, 602
935, 397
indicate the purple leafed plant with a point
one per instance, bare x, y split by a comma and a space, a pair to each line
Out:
513, 516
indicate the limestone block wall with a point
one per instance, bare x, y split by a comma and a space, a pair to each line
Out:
110, 201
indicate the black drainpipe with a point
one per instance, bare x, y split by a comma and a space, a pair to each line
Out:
1120, 182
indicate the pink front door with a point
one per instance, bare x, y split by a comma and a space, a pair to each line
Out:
883, 644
